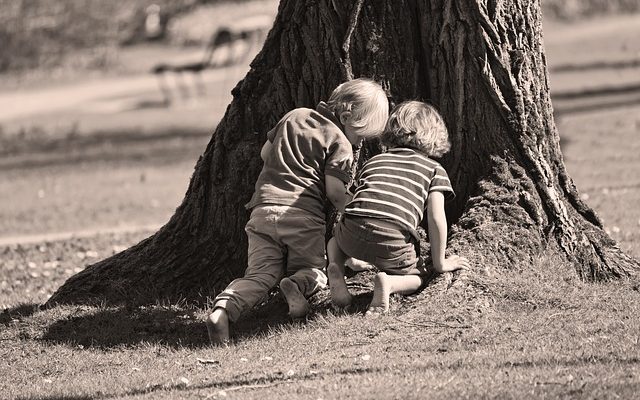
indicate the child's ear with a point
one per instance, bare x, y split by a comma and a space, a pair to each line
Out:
345, 117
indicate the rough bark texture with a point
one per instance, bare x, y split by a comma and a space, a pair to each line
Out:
480, 62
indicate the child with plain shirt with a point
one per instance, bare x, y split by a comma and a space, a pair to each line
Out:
392, 191
308, 157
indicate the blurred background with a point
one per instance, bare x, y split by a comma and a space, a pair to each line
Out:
105, 106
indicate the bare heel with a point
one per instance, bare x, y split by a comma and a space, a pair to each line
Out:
218, 327
298, 305
340, 296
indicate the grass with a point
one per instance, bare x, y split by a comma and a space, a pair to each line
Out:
30, 273
536, 333
62, 186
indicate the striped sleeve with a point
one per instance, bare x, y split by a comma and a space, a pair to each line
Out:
441, 183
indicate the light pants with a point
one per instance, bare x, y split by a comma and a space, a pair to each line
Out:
283, 241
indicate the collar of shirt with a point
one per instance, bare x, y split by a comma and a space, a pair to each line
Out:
323, 109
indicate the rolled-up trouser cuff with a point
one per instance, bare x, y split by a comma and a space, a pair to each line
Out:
233, 312
309, 280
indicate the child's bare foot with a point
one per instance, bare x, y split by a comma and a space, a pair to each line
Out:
340, 296
374, 312
381, 290
298, 305
218, 327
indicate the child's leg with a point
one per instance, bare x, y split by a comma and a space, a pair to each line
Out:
242, 294
303, 234
218, 326
265, 269
300, 286
340, 295
385, 285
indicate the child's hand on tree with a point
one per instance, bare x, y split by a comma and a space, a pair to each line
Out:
452, 263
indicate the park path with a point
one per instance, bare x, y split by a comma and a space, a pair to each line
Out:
6, 241
85, 95
563, 32
559, 38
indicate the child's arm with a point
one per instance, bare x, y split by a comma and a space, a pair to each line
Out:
336, 192
437, 225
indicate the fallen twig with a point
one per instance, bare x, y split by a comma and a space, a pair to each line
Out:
440, 386
254, 386
208, 361
434, 324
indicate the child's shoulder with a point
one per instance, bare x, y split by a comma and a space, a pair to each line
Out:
406, 154
300, 112
308, 116
316, 124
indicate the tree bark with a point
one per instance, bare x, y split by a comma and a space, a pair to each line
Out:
480, 62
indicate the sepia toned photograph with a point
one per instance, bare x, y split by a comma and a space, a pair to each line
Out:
319, 199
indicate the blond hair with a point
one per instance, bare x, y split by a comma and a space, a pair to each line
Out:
419, 126
367, 102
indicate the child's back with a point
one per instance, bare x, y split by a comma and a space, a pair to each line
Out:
305, 146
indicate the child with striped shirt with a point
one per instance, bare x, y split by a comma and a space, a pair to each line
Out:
393, 190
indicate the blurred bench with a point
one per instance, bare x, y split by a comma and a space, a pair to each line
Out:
228, 46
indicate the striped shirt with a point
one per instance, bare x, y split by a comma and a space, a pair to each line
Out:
395, 186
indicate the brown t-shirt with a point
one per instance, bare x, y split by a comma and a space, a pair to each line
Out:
307, 145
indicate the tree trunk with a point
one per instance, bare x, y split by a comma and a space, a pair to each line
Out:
480, 62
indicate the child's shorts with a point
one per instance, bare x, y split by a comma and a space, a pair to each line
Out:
380, 243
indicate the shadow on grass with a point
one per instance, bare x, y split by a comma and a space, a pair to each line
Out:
108, 327
17, 312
